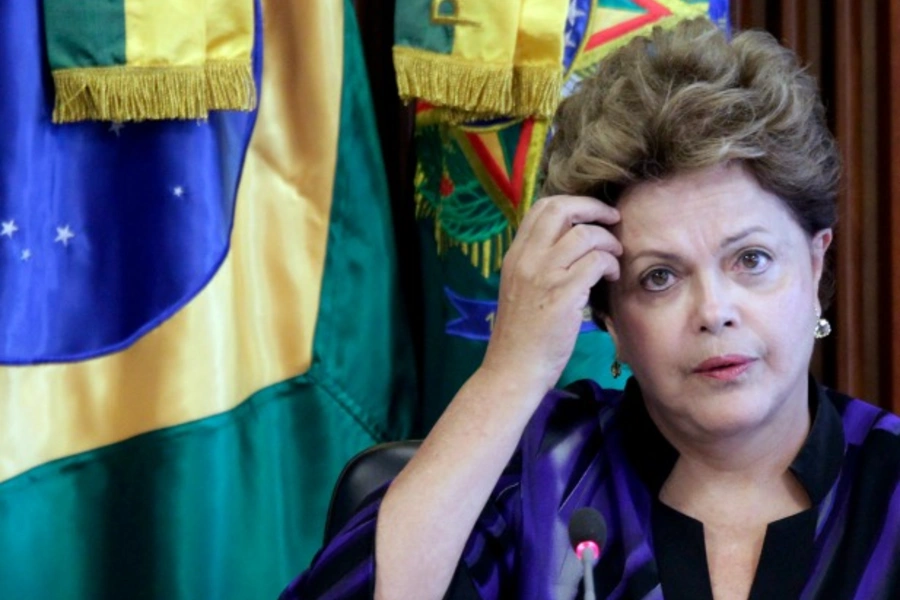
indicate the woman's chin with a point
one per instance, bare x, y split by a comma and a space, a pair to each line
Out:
736, 417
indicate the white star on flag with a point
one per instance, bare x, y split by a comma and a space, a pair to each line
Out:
574, 14
570, 41
9, 228
26, 254
178, 191
116, 127
64, 234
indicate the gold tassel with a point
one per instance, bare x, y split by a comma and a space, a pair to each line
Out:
230, 85
152, 93
423, 209
463, 91
129, 94
440, 237
485, 255
483, 89
536, 90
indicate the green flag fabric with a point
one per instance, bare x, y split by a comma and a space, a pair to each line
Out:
196, 459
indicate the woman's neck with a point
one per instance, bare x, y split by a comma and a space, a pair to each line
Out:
732, 474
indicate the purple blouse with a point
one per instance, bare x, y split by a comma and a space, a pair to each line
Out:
586, 446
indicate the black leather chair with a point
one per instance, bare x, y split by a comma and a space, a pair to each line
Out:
365, 473
362, 475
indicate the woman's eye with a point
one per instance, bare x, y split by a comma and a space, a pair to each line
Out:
658, 280
754, 260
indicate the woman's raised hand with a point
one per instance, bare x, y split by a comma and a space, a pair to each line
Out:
563, 247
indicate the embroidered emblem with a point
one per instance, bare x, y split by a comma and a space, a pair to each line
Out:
446, 12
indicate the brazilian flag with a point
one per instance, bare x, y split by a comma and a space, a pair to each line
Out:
199, 317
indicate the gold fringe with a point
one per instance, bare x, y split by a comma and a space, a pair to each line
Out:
485, 255
230, 85
129, 94
453, 116
450, 82
464, 91
152, 93
423, 209
536, 90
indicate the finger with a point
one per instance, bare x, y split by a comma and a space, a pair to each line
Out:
591, 268
560, 213
571, 210
580, 240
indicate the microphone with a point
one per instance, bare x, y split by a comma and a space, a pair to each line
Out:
587, 534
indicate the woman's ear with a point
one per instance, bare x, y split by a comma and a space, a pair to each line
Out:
818, 248
613, 333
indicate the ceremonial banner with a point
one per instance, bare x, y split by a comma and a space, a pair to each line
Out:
199, 322
485, 58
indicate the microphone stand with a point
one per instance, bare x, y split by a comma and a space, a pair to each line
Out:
587, 561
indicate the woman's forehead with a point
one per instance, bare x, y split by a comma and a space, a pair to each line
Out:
702, 208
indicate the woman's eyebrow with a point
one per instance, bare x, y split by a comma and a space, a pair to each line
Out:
675, 258
652, 253
732, 239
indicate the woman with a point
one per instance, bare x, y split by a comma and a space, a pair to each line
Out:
694, 178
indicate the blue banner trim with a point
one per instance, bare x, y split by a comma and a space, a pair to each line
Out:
476, 318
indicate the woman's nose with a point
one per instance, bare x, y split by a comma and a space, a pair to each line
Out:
715, 307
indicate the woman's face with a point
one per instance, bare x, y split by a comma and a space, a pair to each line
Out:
717, 302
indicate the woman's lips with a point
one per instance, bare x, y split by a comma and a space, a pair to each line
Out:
724, 368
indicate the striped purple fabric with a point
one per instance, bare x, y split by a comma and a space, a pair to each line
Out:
586, 446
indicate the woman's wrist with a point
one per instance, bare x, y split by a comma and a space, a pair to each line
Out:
528, 386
